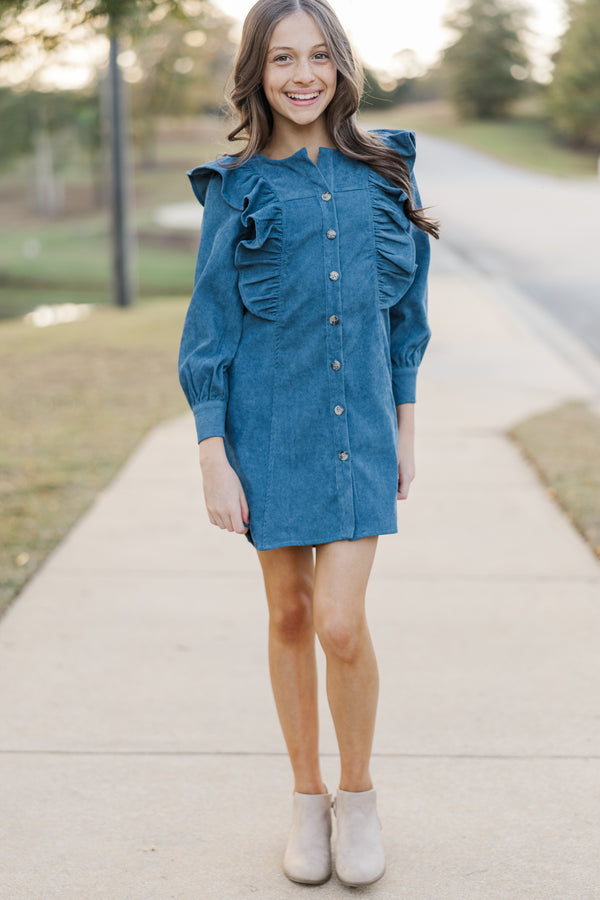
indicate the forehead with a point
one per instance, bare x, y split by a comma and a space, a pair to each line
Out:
296, 30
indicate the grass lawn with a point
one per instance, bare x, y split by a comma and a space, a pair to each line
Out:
524, 140
563, 446
75, 400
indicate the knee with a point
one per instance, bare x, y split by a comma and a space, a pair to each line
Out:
341, 637
290, 615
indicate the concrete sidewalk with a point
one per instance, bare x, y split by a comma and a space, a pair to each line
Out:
140, 754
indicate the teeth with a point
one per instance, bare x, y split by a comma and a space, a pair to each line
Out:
304, 96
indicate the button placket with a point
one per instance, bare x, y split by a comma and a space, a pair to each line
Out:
333, 292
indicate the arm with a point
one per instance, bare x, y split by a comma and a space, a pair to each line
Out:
209, 342
223, 493
409, 336
406, 448
409, 328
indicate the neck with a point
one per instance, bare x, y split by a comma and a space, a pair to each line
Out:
287, 139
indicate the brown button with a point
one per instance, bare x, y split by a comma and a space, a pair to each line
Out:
339, 410
333, 276
343, 456
326, 196
336, 365
331, 234
333, 320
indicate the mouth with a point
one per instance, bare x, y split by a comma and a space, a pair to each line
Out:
303, 98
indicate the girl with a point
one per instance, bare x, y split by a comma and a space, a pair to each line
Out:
299, 357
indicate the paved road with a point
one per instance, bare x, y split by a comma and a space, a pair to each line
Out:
539, 232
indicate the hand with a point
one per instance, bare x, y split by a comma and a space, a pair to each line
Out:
223, 493
406, 449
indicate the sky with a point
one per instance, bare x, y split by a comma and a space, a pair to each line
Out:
418, 26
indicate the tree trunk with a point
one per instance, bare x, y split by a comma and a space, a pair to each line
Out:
49, 191
122, 245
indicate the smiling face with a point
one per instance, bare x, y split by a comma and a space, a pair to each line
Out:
299, 78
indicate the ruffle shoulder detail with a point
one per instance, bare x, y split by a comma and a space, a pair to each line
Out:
396, 250
232, 180
258, 256
404, 142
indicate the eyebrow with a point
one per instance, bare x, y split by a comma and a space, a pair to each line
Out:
316, 47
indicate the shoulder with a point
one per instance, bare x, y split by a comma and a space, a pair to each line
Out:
241, 187
230, 180
404, 142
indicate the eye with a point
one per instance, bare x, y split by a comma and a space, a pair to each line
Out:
282, 58
321, 55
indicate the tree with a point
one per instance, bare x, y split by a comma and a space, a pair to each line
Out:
174, 70
487, 65
574, 96
45, 123
25, 22
45, 24
380, 93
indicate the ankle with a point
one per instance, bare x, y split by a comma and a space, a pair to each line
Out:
356, 785
310, 787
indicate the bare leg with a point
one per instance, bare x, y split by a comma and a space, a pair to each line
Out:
341, 574
289, 575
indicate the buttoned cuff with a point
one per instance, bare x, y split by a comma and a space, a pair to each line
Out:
404, 383
210, 418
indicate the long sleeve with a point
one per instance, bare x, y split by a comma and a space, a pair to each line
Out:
403, 254
409, 328
213, 324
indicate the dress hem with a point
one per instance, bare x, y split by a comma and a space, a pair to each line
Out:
306, 543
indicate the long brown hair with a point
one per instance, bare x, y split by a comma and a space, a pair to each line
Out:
248, 101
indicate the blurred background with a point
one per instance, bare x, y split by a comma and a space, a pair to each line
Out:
104, 105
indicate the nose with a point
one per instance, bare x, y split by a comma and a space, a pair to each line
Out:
303, 73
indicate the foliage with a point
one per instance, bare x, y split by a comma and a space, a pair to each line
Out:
178, 71
377, 95
175, 65
574, 97
487, 65
25, 113
49, 30
383, 91
68, 259
430, 86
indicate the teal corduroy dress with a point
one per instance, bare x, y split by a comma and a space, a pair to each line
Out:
306, 327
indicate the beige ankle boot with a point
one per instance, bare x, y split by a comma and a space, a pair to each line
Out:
359, 856
308, 854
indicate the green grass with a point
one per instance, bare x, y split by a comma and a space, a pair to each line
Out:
75, 400
76, 268
525, 139
69, 259
563, 446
